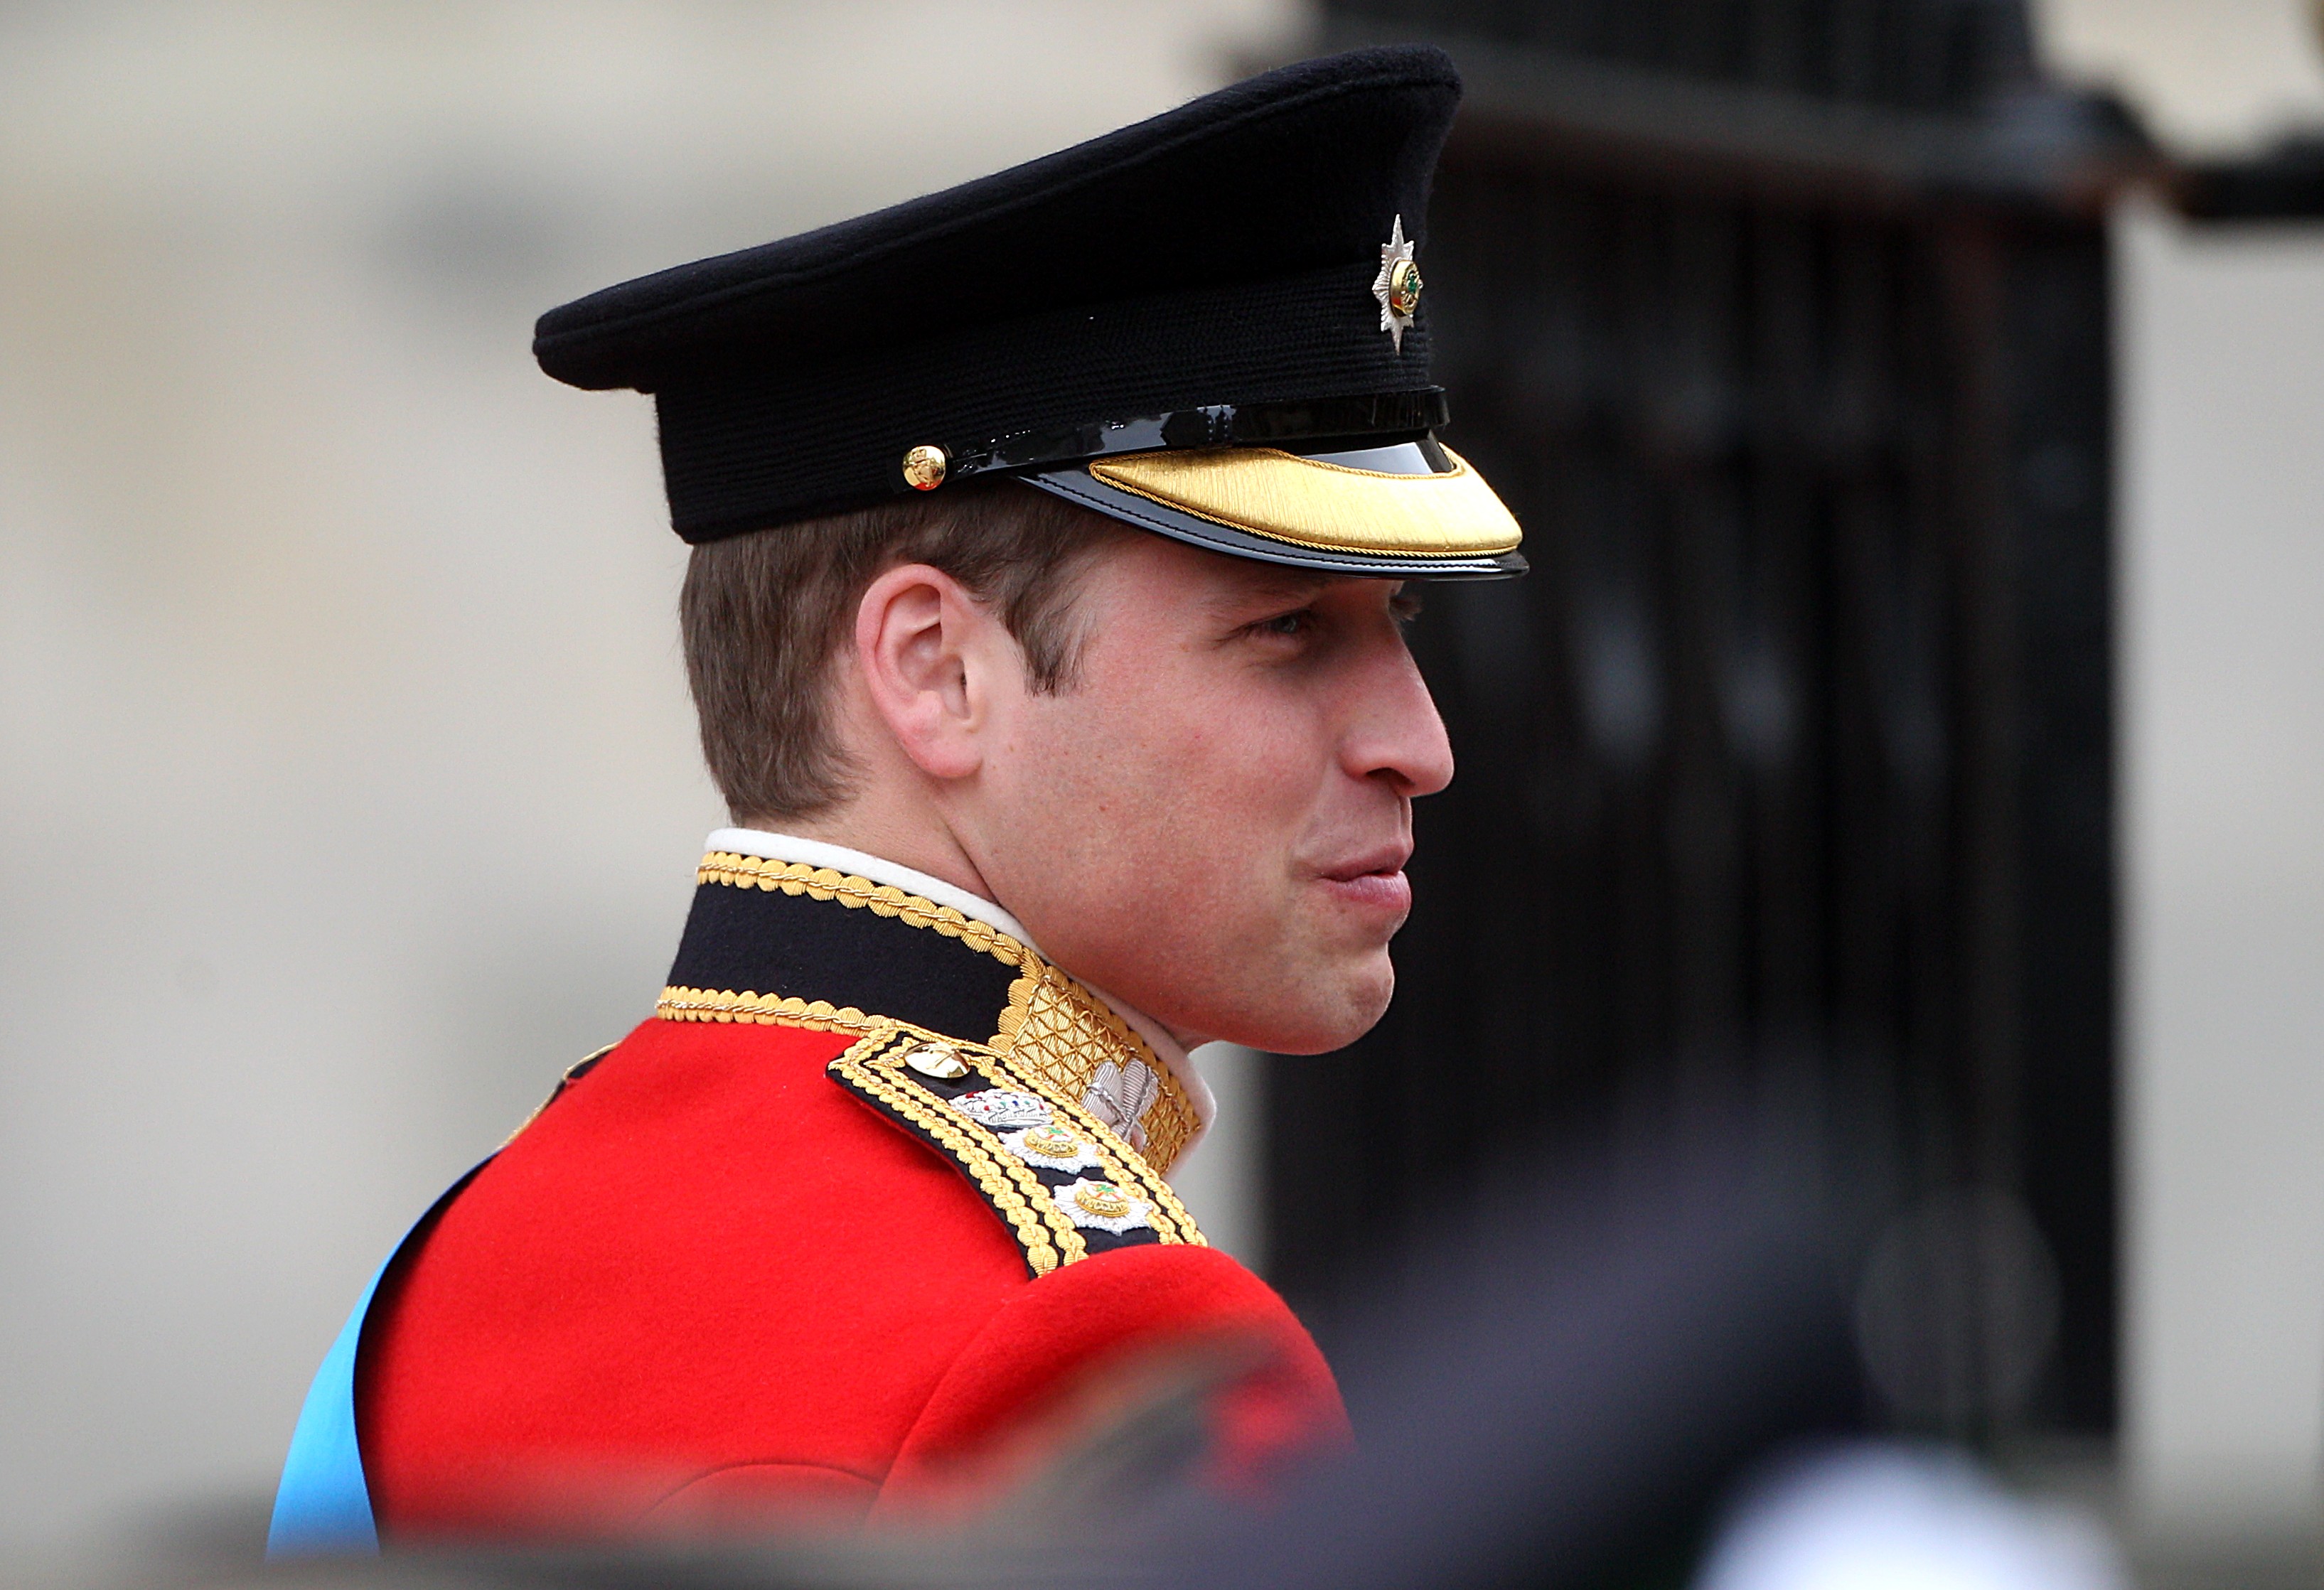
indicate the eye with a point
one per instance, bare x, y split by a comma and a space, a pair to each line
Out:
1290, 625
1404, 605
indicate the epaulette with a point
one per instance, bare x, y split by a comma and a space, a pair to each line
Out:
1063, 1183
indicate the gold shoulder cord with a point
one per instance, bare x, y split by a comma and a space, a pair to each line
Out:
787, 1010
872, 1070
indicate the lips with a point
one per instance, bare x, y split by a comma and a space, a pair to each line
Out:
1384, 862
1374, 882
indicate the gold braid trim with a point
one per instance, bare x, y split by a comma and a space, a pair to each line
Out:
1007, 1183
881, 899
764, 1009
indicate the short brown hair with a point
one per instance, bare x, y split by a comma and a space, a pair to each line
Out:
764, 614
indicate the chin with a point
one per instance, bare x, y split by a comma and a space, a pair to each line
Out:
1325, 1024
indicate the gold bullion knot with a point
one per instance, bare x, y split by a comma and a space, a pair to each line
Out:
925, 466
940, 1060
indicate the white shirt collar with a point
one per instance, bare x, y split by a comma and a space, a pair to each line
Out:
816, 852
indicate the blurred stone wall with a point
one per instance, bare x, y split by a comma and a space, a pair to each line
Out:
2223, 604
347, 779
2220, 332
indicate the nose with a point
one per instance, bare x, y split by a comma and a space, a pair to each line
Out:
1396, 737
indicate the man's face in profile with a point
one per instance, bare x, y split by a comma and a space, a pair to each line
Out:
1211, 823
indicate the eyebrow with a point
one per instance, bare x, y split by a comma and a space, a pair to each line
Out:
1276, 584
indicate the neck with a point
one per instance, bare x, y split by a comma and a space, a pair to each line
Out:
926, 844
906, 833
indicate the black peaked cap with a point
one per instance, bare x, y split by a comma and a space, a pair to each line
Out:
1219, 256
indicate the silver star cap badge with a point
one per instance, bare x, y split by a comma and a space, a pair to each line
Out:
1397, 285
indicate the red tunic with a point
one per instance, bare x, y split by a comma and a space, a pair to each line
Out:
712, 1285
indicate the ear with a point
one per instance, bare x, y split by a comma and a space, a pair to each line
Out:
932, 659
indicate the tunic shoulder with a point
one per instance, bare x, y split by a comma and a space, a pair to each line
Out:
757, 1274
702, 1254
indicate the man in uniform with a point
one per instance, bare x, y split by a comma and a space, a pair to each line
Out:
1052, 539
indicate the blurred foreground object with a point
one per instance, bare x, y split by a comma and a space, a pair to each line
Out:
1561, 1382
1619, 1369
1875, 1518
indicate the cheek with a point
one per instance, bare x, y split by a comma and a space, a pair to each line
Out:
1172, 773
1222, 759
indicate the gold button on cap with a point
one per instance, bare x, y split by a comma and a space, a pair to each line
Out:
925, 466
940, 1060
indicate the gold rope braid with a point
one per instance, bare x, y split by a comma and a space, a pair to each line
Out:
1008, 1184
1124, 1165
881, 899
1054, 1054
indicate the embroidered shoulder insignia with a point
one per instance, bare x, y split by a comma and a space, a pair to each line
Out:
1062, 1183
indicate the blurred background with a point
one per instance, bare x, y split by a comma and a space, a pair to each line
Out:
1917, 715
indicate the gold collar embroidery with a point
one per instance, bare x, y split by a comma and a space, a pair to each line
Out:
1054, 1032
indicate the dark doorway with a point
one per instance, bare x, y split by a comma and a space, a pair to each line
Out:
1786, 773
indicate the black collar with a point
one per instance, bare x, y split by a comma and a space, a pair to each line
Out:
846, 950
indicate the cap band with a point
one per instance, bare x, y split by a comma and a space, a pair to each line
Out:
1216, 425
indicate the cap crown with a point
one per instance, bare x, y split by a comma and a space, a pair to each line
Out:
1221, 253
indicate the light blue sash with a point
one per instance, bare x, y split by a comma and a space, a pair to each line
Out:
323, 1506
